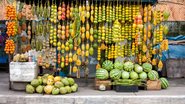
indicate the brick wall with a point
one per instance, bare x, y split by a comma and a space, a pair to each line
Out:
175, 7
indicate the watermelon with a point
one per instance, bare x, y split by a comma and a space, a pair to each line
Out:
164, 83
102, 73
118, 65
115, 74
138, 68
134, 75
147, 67
128, 66
153, 75
125, 75
108, 65
143, 75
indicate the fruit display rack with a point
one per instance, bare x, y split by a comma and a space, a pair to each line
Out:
67, 33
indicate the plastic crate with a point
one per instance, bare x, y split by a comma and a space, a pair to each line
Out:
119, 88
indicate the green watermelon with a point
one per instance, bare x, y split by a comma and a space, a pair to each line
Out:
102, 73
153, 75
115, 74
138, 68
147, 67
125, 75
143, 75
108, 65
128, 66
134, 75
164, 83
118, 65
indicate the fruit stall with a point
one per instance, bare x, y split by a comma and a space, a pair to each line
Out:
119, 43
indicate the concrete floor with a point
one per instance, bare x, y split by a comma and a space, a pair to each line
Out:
175, 94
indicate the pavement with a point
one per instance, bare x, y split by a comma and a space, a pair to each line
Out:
175, 94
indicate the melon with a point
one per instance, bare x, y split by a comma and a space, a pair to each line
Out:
138, 68
143, 75
48, 89
73, 88
30, 89
164, 83
134, 75
128, 66
118, 65
65, 81
108, 65
40, 89
147, 67
35, 82
115, 74
71, 81
55, 91
102, 73
125, 75
63, 90
153, 75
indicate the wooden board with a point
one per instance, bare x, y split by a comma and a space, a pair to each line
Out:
106, 83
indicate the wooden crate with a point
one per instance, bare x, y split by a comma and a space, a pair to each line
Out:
153, 85
175, 68
106, 83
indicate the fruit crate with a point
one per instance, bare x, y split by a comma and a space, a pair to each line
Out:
153, 85
23, 71
120, 88
106, 83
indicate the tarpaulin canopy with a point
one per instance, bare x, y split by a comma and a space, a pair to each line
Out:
176, 51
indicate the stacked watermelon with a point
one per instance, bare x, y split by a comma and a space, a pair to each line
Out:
129, 71
102, 74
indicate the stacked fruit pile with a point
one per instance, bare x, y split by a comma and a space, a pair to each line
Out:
49, 84
128, 73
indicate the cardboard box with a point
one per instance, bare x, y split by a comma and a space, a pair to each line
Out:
106, 83
153, 85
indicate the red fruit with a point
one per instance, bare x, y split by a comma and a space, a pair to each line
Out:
63, 17
63, 13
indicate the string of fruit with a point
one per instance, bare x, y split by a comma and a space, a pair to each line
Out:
10, 12
11, 28
9, 46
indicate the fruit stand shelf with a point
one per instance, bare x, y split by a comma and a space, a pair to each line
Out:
143, 1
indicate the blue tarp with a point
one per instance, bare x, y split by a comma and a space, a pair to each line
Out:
175, 51
179, 37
